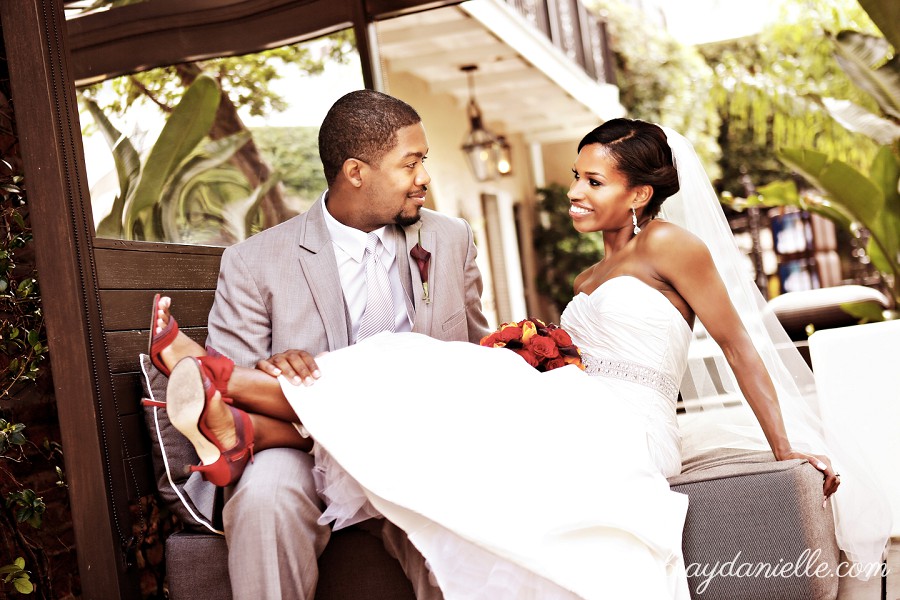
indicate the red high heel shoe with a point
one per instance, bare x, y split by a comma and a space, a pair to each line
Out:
192, 385
160, 341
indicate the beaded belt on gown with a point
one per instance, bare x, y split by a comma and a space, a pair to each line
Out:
631, 371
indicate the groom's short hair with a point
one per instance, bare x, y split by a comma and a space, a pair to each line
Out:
363, 125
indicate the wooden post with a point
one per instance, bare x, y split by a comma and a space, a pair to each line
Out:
50, 137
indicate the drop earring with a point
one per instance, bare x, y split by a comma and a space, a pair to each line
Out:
637, 229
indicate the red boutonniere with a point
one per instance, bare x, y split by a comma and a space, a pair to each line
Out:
423, 259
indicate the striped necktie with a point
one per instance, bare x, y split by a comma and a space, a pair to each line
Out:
379, 313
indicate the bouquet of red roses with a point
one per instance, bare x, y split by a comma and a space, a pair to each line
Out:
544, 347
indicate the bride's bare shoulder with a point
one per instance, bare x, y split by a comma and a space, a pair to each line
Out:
673, 251
660, 235
583, 276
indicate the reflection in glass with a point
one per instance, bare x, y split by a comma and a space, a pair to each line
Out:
75, 8
210, 152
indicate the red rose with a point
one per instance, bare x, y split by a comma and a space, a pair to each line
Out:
490, 340
508, 334
555, 363
543, 347
529, 356
560, 337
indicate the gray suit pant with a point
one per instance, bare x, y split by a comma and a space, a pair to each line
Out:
274, 539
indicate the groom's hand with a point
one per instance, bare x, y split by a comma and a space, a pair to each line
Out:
298, 366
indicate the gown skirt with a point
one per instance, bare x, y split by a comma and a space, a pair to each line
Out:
511, 483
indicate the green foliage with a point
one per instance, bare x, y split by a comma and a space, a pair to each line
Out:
868, 62
866, 312
183, 191
27, 507
245, 79
770, 90
11, 434
293, 152
16, 574
186, 126
23, 339
662, 81
851, 199
562, 252
224, 207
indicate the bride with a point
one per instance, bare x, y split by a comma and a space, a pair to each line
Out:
514, 483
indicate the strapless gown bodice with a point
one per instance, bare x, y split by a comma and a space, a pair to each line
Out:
635, 342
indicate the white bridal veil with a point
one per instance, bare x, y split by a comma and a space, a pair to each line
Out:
718, 415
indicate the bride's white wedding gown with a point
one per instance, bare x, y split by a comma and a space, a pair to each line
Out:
513, 483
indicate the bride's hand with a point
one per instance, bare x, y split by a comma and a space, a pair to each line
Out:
822, 463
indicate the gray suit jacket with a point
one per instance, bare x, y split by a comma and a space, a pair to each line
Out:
280, 289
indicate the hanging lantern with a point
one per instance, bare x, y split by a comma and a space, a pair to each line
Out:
481, 147
504, 162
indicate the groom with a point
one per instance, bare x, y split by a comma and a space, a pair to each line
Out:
319, 282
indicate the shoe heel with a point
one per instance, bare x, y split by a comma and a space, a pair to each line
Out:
218, 473
186, 401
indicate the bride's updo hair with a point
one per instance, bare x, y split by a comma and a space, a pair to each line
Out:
642, 155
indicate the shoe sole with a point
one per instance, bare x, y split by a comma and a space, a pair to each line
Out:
185, 400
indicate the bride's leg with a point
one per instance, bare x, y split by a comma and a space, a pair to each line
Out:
250, 389
260, 393
223, 436
268, 432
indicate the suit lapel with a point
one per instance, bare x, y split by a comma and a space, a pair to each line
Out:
319, 266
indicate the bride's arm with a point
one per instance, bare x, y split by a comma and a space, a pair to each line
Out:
693, 274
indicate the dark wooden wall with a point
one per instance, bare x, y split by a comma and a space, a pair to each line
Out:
128, 276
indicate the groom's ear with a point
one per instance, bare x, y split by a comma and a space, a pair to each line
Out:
353, 171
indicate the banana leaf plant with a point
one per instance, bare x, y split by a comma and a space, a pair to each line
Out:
184, 190
852, 199
868, 63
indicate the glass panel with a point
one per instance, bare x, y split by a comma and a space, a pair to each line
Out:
74, 8
210, 152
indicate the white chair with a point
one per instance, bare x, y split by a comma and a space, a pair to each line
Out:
857, 373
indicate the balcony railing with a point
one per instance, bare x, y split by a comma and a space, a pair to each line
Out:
581, 35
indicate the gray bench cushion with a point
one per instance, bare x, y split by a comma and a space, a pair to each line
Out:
354, 565
747, 508
172, 455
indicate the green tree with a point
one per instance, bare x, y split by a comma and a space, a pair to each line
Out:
245, 83
863, 201
769, 88
661, 80
294, 153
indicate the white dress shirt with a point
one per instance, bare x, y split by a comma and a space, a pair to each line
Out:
350, 251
